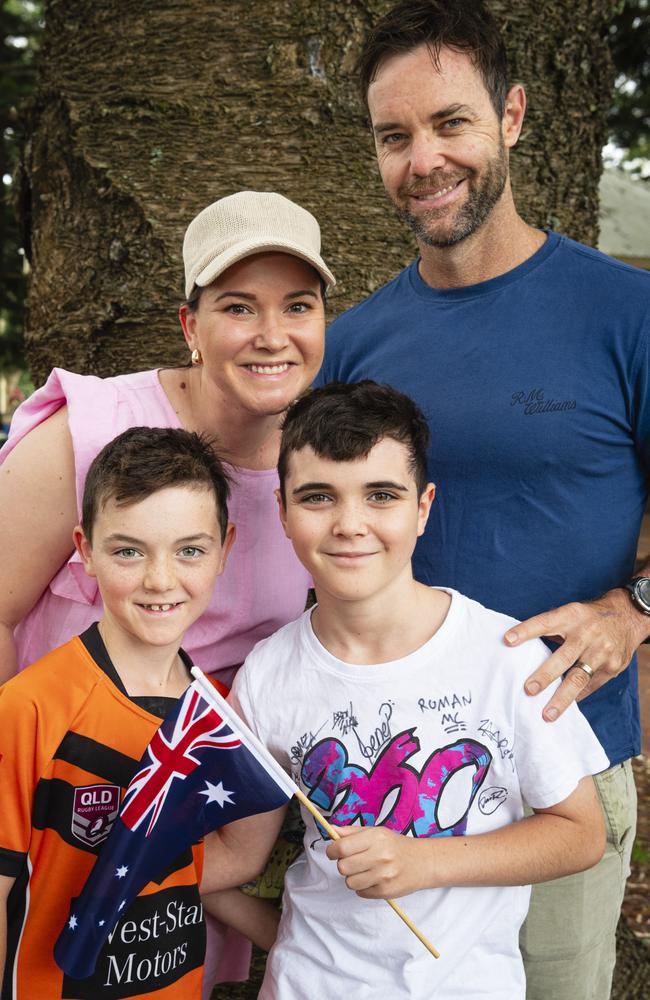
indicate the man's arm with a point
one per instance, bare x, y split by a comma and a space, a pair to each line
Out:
378, 863
603, 634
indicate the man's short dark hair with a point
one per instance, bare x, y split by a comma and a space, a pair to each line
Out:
144, 460
463, 25
344, 421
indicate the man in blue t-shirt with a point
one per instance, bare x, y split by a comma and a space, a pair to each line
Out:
529, 354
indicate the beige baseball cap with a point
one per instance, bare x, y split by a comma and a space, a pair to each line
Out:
246, 223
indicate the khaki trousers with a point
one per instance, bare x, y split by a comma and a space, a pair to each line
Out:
568, 941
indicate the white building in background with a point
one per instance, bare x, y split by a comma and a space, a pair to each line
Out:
625, 218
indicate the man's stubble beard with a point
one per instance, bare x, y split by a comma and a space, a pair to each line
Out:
482, 197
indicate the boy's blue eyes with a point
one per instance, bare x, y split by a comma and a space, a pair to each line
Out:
380, 496
187, 552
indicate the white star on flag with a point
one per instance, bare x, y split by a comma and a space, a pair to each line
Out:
121, 871
216, 793
101, 923
72, 922
122, 904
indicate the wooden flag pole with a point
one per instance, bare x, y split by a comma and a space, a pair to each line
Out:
282, 778
334, 834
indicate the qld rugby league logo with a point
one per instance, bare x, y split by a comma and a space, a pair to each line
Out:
94, 811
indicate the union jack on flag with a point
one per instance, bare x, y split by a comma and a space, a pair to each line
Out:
173, 757
197, 774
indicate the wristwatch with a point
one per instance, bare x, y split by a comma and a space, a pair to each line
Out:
639, 590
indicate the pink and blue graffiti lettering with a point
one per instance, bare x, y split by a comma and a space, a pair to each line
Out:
360, 795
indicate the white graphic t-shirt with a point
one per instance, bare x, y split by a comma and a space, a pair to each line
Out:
443, 742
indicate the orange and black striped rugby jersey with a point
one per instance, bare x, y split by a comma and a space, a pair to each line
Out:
70, 741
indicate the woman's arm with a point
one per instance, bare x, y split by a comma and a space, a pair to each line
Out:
38, 510
5, 888
378, 863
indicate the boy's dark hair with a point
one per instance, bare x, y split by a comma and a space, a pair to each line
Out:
464, 25
344, 421
143, 460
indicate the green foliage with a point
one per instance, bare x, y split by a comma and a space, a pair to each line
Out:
20, 24
629, 119
640, 853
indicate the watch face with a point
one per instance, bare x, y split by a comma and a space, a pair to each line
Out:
642, 592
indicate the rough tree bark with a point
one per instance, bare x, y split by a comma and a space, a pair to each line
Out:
147, 110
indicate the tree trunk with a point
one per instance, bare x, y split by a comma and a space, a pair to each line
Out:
148, 110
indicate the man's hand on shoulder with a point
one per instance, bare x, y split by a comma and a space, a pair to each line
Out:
602, 635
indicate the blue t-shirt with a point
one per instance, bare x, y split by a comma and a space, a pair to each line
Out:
536, 388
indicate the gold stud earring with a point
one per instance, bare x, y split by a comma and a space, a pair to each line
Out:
196, 357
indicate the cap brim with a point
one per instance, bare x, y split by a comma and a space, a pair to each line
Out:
243, 250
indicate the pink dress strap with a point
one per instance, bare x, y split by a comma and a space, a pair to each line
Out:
98, 410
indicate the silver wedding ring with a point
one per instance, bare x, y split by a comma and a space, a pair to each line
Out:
581, 665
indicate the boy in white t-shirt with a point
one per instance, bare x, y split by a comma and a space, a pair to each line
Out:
402, 715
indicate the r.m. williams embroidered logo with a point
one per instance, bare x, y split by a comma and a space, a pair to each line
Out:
94, 811
535, 401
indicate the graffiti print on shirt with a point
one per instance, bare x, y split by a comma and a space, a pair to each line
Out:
392, 792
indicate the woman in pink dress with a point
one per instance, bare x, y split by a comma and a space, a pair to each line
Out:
254, 322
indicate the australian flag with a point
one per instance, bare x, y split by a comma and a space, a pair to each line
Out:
196, 775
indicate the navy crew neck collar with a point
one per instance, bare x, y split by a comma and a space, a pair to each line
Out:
420, 287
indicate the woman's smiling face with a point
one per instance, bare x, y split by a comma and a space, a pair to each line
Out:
260, 328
